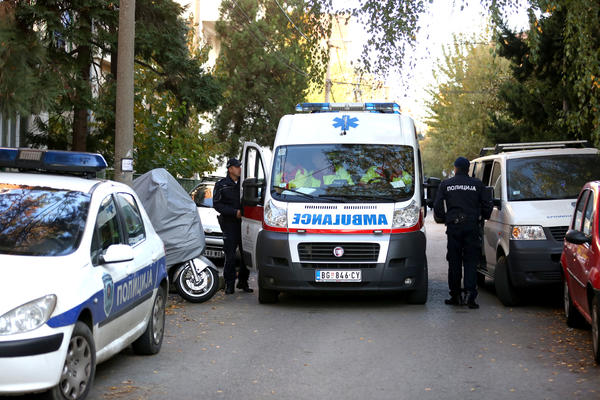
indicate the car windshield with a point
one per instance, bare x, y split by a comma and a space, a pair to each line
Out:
550, 177
40, 221
203, 194
366, 173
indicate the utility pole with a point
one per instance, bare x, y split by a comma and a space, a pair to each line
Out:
124, 111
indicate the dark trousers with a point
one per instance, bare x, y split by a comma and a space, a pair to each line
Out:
464, 249
232, 240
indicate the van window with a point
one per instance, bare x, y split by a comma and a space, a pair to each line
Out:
343, 172
496, 180
579, 211
485, 172
550, 177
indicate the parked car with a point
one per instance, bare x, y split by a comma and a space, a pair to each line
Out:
580, 261
202, 195
83, 273
535, 187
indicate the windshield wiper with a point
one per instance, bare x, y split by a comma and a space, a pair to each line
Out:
307, 195
370, 196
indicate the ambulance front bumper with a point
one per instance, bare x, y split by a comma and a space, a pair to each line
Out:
33, 361
402, 270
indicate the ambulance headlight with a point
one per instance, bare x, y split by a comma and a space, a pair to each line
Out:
275, 216
527, 232
406, 217
28, 317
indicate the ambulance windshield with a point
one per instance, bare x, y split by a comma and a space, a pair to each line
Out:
365, 173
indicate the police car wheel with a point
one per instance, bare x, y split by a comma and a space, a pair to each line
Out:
197, 291
573, 318
505, 290
80, 366
596, 328
151, 340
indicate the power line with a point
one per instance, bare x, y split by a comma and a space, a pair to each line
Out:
291, 22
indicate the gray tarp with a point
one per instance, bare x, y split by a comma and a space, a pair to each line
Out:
173, 214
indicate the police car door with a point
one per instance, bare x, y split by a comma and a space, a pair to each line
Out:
255, 161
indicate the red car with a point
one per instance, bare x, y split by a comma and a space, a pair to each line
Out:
580, 261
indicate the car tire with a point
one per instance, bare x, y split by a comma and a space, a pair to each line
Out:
151, 340
506, 292
205, 290
573, 317
266, 296
419, 294
596, 328
80, 366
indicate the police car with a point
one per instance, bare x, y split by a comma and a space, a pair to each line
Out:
82, 273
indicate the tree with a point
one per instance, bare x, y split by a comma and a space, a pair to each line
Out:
270, 52
77, 36
555, 65
463, 104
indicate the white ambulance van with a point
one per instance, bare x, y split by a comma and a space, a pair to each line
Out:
340, 206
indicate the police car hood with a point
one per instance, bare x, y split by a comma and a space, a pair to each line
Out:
541, 212
27, 278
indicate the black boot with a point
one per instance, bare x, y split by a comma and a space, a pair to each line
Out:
471, 301
229, 287
453, 301
244, 286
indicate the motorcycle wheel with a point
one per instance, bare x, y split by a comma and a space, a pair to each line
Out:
197, 291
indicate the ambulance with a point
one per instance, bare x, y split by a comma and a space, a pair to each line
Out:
338, 206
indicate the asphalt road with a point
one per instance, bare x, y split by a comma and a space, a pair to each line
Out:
357, 347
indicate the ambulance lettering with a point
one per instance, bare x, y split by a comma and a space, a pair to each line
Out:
339, 219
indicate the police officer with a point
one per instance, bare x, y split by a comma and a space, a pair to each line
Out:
461, 203
226, 200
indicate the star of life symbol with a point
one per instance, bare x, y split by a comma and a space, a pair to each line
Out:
345, 122
338, 251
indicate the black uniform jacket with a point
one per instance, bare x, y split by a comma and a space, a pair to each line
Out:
465, 200
226, 199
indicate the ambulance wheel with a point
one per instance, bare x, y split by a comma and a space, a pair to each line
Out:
151, 340
573, 317
80, 366
419, 294
266, 296
505, 290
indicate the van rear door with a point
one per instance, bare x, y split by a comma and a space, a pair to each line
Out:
255, 163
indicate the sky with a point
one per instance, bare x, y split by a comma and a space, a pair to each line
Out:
443, 19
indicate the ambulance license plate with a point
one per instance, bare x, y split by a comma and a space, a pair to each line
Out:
338, 276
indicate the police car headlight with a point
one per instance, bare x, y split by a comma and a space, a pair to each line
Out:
28, 317
275, 216
527, 232
407, 216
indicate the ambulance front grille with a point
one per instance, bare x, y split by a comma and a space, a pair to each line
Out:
352, 252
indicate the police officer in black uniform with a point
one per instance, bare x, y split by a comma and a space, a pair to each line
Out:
461, 203
226, 200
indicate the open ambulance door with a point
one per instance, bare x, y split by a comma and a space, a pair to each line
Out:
256, 161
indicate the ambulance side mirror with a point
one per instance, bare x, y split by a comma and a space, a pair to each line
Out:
253, 189
431, 186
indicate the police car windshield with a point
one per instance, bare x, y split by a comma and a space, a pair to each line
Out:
365, 173
550, 177
39, 221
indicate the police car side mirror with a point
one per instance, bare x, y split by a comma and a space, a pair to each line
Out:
431, 184
117, 253
253, 190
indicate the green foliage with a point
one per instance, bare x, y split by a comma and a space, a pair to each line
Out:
462, 105
268, 57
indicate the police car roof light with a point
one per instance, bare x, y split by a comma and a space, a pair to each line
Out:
52, 160
391, 108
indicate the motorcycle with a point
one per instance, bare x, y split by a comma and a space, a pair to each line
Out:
175, 218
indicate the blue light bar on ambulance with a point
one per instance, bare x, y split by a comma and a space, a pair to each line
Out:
52, 160
388, 108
